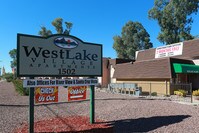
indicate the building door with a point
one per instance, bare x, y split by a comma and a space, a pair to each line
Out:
182, 78
194, 79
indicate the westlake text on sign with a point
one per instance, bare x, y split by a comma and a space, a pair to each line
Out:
169, 50
58, 82
57, 55
76, 93
46, 94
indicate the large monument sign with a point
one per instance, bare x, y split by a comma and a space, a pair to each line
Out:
57, 55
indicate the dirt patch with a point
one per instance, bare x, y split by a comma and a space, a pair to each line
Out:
70, 124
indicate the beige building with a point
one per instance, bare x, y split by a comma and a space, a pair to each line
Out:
162, 69
108, 70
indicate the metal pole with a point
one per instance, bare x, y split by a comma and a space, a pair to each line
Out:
92, 104
166, 89
31, 109
150, 89
191, 92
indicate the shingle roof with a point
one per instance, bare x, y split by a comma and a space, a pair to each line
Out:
190, 49
148, 54
116, 61
151, 69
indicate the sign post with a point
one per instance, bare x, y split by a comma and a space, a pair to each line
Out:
92, 104
31, 109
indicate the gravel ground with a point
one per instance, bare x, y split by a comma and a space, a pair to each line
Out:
125, 113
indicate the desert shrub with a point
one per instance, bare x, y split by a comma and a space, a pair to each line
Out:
98, 85
8, 77
19, 87
176, 93
180, 92
166, 95
154, 94
195, 93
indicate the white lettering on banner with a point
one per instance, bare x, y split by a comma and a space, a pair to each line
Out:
77, 91
50, 98
169, 50
41, 99
57, 82
47, 90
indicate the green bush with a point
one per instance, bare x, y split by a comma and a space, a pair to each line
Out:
166, 95
154, 94
19, 87
8, 77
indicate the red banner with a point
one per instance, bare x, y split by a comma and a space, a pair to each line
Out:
46, 94
76, 93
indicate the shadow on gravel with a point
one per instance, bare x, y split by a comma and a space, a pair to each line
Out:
93, 130
145, 124
13, 105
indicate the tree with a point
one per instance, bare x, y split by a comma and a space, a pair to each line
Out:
57, 23
44, 32
134, 37
69, 26
13, 55
174, 19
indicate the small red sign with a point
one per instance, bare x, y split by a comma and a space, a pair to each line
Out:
76, 93
46, 94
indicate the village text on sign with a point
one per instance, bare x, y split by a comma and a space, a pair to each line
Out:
57, 56
58, 82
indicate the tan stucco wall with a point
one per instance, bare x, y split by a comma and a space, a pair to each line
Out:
113, 80
161, 87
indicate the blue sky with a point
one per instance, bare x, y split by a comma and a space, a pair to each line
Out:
95, 21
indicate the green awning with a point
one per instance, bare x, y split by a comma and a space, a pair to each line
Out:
185, 68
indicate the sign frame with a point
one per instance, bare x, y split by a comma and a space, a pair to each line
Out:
19, 73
